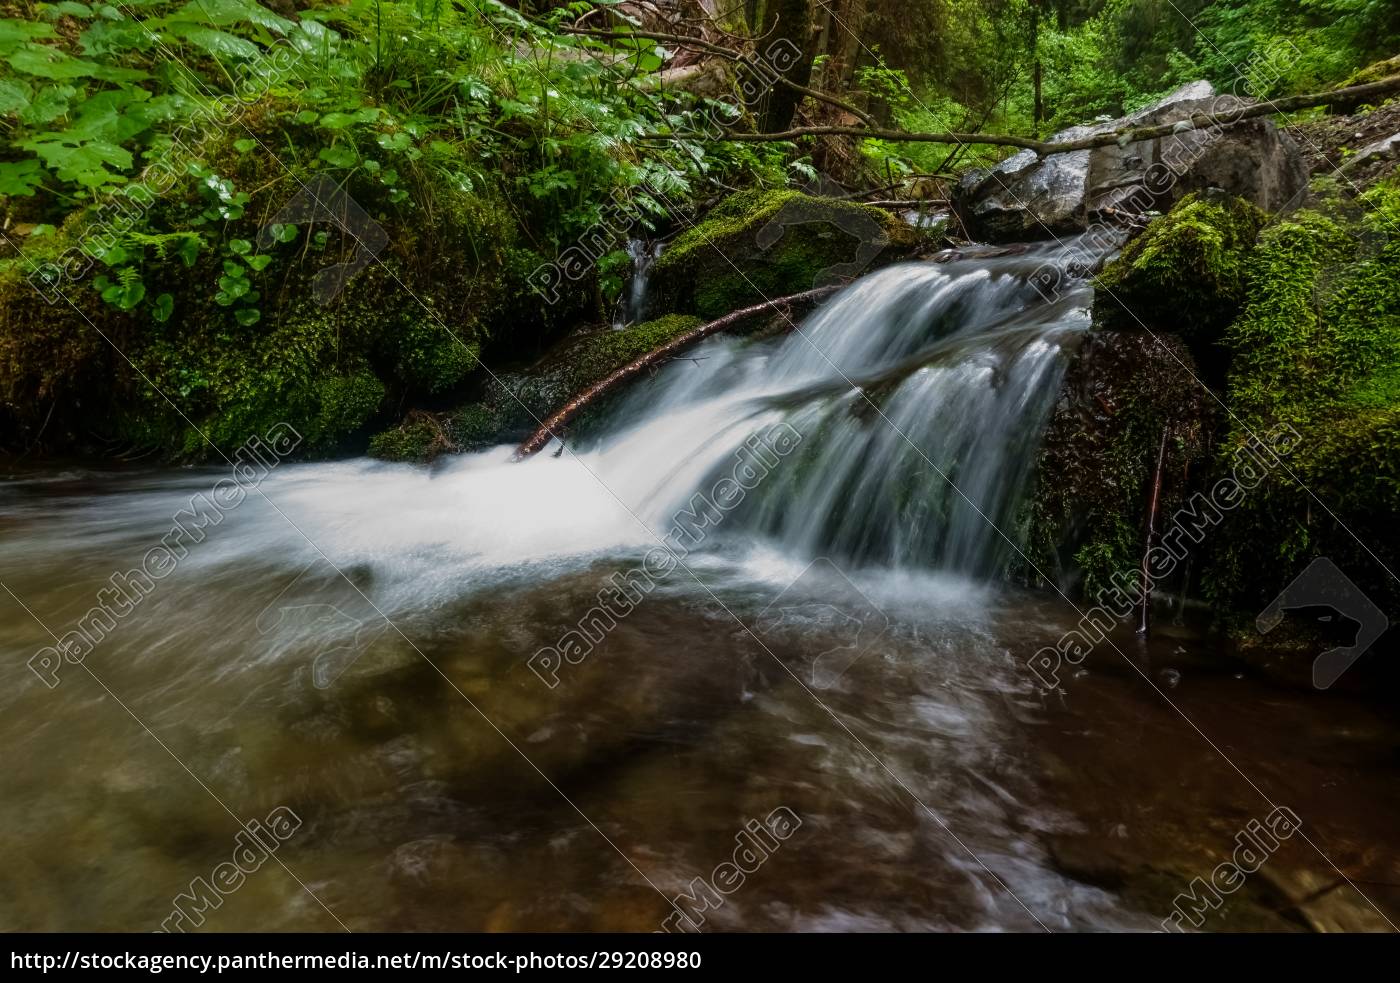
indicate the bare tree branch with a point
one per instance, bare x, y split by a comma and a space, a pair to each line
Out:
1227, 116
786, 306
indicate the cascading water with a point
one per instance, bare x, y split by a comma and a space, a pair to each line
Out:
264, 662
634, 307
919, 395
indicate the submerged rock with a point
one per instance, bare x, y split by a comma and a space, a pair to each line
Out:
1027, 197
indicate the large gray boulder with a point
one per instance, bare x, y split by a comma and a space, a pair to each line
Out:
1026, 197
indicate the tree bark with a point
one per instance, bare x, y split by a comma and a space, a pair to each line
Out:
786, 306
790, 22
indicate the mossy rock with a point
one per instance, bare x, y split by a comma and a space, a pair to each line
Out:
1318, 348
576, 363
758, 245
423, 437
515, 403
1123, 391
1186, 272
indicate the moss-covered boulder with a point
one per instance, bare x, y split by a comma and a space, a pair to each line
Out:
758, 245
1186, 272
1377, 71
1318, 348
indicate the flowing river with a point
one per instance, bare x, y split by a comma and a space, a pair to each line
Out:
763, 592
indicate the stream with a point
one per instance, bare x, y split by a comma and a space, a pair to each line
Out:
550, 695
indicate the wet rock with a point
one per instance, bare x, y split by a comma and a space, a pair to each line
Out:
1122, 390
1026, 197
431, 862
515, 403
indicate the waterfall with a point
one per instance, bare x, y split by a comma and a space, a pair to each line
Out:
919, 393
633, 307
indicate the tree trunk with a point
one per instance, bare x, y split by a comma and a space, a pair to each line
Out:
1039, 112
792, 54
786, 306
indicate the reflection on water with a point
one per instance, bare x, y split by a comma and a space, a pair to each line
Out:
930, 765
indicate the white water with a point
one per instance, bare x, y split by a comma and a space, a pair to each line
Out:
479, 562
633, 309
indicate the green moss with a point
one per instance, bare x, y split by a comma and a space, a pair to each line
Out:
720, 265
1318, 348
475, 426
431, 358
347, 402
1186, 272
1086, 520
601, 353
420, 438
1377, 71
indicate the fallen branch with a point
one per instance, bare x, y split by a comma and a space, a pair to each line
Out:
1042, 148
785, 306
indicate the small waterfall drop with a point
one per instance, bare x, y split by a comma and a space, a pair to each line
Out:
633, 307
920, 394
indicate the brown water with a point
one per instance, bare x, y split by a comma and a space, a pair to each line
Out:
442, 786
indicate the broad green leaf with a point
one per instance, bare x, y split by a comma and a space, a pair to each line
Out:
240, 247
15, 95
22, 30
215, 42
224, 13
339, 156
49, 103
82, 162
20, 178
233, 287
259, 263
125, 295
68, 8
247, 315
114, 256
162, 307
188, 250
50, 63
394, 141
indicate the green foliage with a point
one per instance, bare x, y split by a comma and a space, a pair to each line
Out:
429, 358
161, 135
